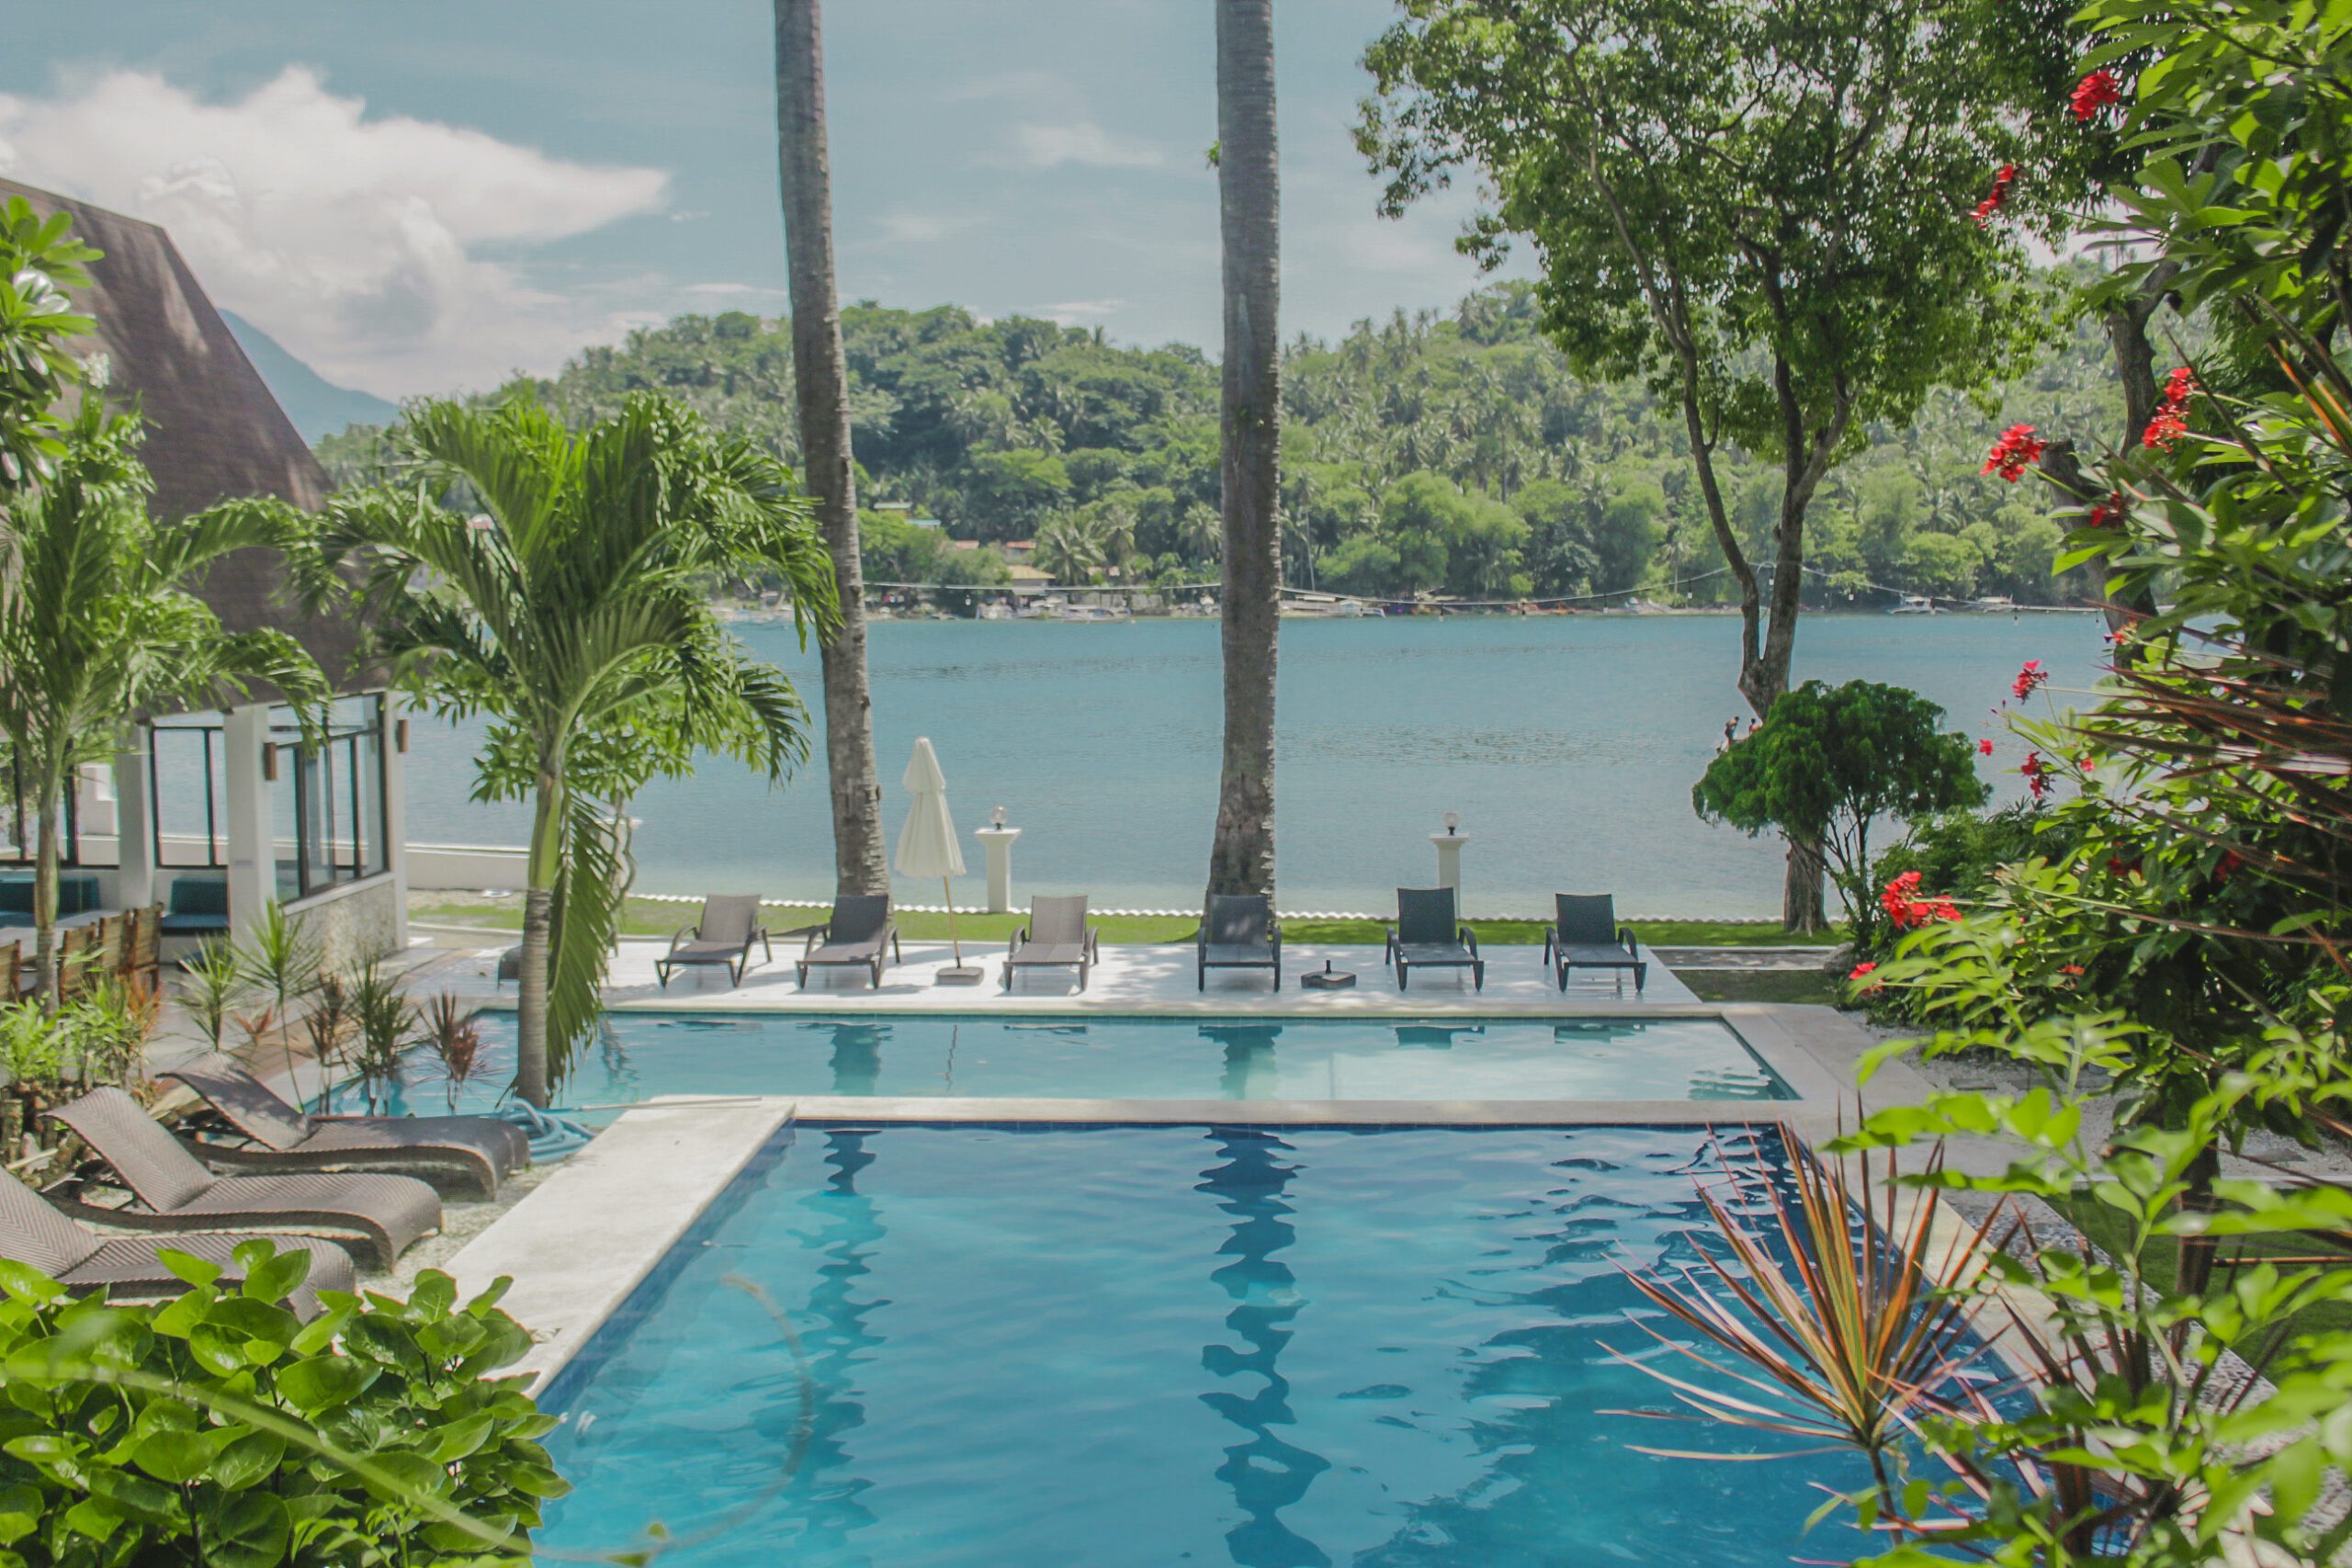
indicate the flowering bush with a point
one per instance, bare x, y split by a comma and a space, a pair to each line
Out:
2018, 449
2096, 91
2031, 678
2171, 420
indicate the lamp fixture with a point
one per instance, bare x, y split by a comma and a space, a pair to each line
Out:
1452, 819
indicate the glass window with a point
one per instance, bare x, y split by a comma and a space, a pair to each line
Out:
190, 812
329, 800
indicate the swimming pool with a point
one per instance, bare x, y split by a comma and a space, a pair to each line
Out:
1154, 1346
1058, 1056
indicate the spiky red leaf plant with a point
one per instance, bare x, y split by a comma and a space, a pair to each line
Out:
1861, 1335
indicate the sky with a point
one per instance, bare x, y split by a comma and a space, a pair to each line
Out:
426, 197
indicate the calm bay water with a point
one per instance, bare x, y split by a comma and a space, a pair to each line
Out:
1569, 745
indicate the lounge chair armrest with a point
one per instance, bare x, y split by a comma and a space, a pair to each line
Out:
891, 930
682, 933
1625, 938
1020, 935
1094, 942
1467, 938
812, 935
1551, 942
1388, 944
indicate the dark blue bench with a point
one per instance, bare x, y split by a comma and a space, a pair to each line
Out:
76, 894
198, 907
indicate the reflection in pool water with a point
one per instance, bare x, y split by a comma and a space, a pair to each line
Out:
640, 1055
1126, 1346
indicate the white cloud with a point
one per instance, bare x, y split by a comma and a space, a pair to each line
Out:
1084, 143
1077, 312
905, 226
354, 240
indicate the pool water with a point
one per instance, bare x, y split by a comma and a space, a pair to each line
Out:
643, 1054
1159, 1345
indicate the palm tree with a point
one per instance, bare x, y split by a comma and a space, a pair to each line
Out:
1242, 854
1200, 534
1071, 548
98, 627
569, 613
820, 377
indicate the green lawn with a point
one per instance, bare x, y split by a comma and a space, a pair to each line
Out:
647, 916
2106, 1231
1789, 986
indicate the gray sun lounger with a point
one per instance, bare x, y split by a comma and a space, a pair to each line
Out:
278, 1136
1585, 935
33, 1231
1056, 936
855, 938
722, 939
1428, 936
1240, 932
172, 1190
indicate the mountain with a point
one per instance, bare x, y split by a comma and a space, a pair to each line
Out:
316, 405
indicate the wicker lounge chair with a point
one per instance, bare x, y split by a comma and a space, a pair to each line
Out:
1240, 932
1056, 936
32, 1230
722, 938
171, 1190
1585, 935
269, 1135
1428, 936
855, 938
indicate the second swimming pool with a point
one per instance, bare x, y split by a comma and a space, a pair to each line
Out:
640, 1055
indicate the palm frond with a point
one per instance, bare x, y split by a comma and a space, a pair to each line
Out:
591, 887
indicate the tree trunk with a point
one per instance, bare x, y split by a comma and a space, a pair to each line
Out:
1241, 857
45, 856
538, 910
1801, 901
820, 375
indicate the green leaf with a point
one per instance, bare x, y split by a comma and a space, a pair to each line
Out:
174, 1456
250, 1529
248, 1460
21, 1510
186, 1266
27, 1283
134, 1494
324, 1382
278, 1278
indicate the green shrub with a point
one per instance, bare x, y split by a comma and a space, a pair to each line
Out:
217, 1429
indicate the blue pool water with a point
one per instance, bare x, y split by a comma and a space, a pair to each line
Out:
644, 1055
1118, 1346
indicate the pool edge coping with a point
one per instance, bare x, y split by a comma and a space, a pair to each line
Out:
635, 1190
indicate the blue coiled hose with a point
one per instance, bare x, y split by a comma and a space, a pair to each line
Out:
552, 1133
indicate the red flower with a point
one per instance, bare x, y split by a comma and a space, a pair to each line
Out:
1983, 747
2117, 866
2037, 774
2105, 512
2095, 92
2171, 421
1906, 911
2031, 679
2228, 867
1999, 196
1862, 969
2070, 970
2010, 456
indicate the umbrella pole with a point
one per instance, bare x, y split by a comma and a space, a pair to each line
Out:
948, 889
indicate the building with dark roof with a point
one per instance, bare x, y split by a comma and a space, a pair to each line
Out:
216, 815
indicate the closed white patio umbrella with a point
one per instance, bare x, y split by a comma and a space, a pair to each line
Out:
928, 846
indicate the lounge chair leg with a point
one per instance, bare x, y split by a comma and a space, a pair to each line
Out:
1479, 976
1641, 976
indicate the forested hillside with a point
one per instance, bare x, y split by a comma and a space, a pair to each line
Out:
1452, 453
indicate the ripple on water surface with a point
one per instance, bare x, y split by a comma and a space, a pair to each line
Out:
1124, 1346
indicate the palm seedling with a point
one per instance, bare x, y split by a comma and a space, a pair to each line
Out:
282, 962
215, 985
385, 1027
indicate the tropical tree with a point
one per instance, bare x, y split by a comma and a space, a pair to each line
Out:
1765, 210
100, 626
1827, 763
40, 260
821, 381
568, 610
1241, 853
1072, 547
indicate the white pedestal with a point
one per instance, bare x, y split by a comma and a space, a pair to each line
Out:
998, 842
1449, 867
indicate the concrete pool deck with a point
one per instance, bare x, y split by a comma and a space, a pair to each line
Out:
1130, 978
587, 1237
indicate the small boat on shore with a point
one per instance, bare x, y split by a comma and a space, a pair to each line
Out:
1914, 605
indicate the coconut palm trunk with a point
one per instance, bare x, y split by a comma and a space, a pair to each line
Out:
820, 377
1241, 857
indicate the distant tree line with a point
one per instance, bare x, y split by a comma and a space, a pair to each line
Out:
1451, 453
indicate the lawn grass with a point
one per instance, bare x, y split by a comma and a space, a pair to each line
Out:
1792, 986
648, 917
2110, 1232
